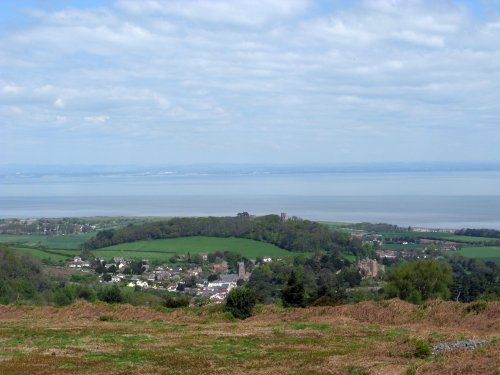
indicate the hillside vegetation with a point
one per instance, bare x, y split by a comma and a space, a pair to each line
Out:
367, 338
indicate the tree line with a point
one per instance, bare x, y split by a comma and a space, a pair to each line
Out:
491, 233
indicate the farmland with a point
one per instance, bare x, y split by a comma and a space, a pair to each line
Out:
369, 338
440, 236
46, 254
71, 241
481, 252
165, 248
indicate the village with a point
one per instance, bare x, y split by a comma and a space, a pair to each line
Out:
209, 280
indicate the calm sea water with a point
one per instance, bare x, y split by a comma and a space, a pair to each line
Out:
433, 199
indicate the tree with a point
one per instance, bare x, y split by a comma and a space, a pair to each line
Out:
418, 281
293, 294
240, 302
212, 277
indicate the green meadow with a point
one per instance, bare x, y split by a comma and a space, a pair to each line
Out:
441, 236
49, 255
71, 241
165, 248
483, 253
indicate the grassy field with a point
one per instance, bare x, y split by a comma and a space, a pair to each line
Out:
50, 255
441, 236
369, 338
52, 242
482, 252
404, 247
165, 248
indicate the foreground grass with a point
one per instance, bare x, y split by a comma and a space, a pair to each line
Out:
370, 338
164, 249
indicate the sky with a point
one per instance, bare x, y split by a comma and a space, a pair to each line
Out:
131, 82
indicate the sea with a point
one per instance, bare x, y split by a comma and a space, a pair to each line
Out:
432, 197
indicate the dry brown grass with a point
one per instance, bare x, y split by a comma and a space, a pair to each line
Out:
367, 338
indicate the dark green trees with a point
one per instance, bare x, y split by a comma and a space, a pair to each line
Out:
418, 281
240, 302
293, 294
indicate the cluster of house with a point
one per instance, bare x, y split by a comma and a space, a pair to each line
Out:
440, 245
78, 262
181, 278
215, 290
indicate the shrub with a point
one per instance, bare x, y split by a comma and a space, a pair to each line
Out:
86, 292
228, 315
174, 303
106, 318
111, 294
327, 300
64, 296
422, 349
476, 307
240, 302
418, 281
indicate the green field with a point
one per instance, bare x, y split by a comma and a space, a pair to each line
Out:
72, 241
50, 255
441, 236
410, 246
482, 252
164, 249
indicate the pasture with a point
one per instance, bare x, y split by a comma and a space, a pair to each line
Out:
440, 236
483, 253
48, 255
164, 249
71, 241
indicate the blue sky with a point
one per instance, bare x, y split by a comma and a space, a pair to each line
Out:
292, 81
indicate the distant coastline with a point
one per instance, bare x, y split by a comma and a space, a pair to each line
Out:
437, 196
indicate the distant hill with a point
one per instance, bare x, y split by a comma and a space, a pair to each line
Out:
293, 234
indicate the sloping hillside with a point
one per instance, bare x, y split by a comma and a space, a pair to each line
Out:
368, 338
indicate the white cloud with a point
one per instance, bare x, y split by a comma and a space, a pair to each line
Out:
11, 88
59, 103
242, 12
246, 71
99, 119
421, 39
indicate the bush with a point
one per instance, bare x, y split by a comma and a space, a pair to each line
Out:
228, 315
106, 318
476, 307
422, 349
85, 292
64, 296
419, 281
174, 303
240, 302
111, 294
327, 300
